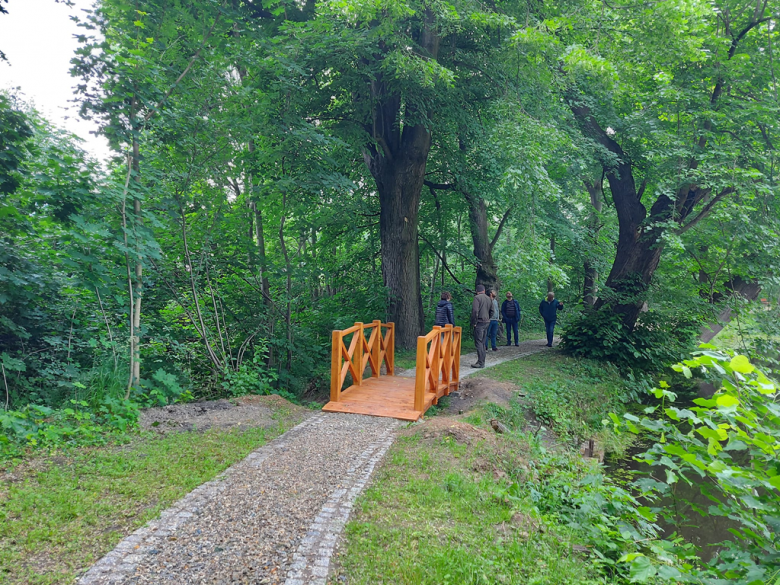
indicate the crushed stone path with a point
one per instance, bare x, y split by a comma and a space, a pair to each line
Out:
504, 354
275, 517
272, 518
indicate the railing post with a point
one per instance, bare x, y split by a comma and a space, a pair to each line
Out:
455, 381
335, 368
419, 382
357, 359
375, 348
390, 350
436, 363
446, 369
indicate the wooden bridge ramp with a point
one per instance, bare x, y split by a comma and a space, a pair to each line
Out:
371, 347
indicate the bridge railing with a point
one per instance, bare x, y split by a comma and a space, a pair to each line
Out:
438, 364
373, 351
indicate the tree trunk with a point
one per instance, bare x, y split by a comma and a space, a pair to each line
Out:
487, 270
639, 246
550, 284
748, 290
265, 286
399, 181
135, 340
396, 158
590, 289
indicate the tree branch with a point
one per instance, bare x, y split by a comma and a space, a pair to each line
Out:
443, 261
500, 229
705, 211
439, 186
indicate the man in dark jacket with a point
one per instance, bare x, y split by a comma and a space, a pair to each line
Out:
548, 309
444, 311
510, 310
481, 311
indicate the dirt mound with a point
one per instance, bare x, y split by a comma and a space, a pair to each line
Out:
437, 428
247, 411
479, 389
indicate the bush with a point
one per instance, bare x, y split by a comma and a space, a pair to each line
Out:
656, 341
37, 426
729, 445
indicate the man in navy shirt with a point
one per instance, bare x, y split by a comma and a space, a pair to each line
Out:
548, 309
510, 310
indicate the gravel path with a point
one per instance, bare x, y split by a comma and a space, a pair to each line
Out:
493, 358
272, 518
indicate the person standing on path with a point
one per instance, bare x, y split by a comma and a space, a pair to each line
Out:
481, 311
510, 310
548, 309
493, 326
444, 312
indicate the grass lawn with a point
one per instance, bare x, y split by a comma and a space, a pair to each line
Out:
456, 503
571, 395
62, 512
437, 513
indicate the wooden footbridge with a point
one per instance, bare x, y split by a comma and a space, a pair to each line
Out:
382, 393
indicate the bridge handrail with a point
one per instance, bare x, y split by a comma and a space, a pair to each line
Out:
362, 352
438, 368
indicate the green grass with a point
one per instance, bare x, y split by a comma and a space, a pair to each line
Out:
60, 514
435, 514
570, 395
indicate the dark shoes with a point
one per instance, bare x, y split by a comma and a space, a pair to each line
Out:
548, 345
477, 365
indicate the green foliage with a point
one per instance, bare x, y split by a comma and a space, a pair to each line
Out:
657, 341
35, 427
568, 491
250, 378
566, 395
728, 446
162, 389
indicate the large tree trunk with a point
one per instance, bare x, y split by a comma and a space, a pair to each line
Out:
399, 180
748, 290
396, 158
487, 270
639, 246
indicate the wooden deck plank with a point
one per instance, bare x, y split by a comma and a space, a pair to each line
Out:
387, 396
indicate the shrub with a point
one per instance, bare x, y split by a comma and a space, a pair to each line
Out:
37, 426
656, 341
728, 446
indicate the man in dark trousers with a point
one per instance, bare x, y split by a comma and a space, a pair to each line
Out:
481, 311
510, 310
548, 309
